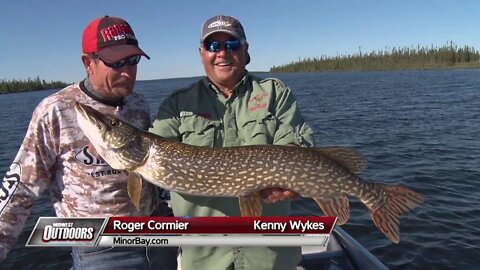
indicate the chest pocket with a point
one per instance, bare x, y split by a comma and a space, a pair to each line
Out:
259, 129
197, 131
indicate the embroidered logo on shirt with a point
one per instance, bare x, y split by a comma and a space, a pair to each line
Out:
255, 104
258, 106
185, 113
257, 98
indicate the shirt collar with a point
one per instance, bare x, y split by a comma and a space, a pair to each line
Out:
88, 89
237, 89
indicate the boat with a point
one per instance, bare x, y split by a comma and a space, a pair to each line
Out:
342, 252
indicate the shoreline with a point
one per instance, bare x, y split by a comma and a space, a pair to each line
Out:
459, 67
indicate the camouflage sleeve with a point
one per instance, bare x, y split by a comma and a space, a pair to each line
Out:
292, 127
29, 175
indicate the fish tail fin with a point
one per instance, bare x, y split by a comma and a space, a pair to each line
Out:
397, 201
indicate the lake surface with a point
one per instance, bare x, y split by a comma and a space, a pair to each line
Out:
416, 128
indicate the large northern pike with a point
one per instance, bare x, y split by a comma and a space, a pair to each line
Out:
328, 175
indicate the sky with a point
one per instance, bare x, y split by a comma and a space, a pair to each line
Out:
43, 38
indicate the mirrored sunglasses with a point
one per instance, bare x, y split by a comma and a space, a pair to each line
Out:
229, 45
131, 61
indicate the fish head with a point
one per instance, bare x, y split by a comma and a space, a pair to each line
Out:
117, 142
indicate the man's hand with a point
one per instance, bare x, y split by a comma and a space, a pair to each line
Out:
93, 151
273, 195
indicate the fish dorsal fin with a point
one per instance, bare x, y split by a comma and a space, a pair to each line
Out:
250, 205
349, 158
134, 188
335, 206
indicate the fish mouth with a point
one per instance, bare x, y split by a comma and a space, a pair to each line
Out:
90, 116
104, 131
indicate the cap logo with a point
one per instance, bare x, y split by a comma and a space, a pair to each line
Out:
117, 32
219, 24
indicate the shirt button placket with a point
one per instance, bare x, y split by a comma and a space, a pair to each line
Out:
238, 259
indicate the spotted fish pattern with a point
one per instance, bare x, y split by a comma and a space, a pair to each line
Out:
328, 175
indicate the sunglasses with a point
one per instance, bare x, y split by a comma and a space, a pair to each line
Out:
230, 45
131, 61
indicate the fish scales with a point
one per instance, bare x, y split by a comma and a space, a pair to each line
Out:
328, 175
229, 168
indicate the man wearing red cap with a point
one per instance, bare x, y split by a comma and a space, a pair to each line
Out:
56, 154
231, 107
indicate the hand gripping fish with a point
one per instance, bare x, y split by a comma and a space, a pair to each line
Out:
328, 175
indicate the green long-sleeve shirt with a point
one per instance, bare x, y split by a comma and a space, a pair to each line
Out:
259, 111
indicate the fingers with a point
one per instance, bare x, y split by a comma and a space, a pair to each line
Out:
93, 151
272, 195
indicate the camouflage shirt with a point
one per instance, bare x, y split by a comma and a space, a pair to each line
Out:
55, 154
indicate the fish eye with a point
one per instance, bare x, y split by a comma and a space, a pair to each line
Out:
113, 122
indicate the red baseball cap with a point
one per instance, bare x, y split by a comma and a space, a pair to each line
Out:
111, 38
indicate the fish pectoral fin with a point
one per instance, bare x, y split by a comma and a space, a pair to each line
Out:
335, 206
250, 205
134, 188
349, 158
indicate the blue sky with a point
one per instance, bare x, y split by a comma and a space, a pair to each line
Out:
43, 38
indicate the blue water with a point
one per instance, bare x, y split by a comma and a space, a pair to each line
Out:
417, 128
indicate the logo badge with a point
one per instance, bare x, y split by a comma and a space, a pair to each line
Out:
9, 184
89, 159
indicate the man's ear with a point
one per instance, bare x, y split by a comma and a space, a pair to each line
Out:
87, 63
86, 60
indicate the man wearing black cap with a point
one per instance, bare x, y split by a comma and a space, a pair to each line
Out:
231, 107
55, 153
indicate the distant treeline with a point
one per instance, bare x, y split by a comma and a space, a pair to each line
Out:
13, 86
447, 56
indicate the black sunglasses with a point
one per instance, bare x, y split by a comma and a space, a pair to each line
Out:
131, 61
230, 45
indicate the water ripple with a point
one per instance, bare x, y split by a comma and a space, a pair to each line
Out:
415, 128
